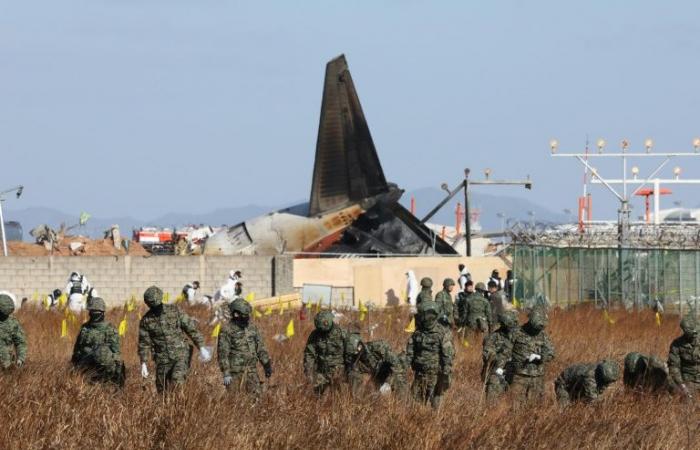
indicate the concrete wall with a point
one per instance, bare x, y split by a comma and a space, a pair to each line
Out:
383, 280
117, 278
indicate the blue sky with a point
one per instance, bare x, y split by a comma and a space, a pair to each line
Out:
145, 107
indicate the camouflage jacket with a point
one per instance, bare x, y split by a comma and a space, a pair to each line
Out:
498, 304
380, 361
431, 351
650, 372
526, 342
90, 345
326, 352
240, 348
164, 334
684, 361
497, 350
579, 382
444, 301
425, 294
12, 337
477, 307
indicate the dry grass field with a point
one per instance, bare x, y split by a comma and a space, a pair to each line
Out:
46, 405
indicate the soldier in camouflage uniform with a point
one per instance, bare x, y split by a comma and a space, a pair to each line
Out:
497, 350
497, 299
377, 359
478, 313
684, 358
430, 353
240, 348
444, 301
96, 351
532, 349
13, 343
326, 356
162, 332
460, 310
426, 291
645, 373
585, 382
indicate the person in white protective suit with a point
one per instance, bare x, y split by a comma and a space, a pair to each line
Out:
78, 286
228, 292
412, 290
464, 276
189, 292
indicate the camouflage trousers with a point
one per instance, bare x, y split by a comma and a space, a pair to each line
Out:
429, 387
171, 373
496, 386
563, 396
330, 379
247, 381
527, 389
6, 362
114, 374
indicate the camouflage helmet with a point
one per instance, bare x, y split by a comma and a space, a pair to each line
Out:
537, 318
426, 282
96, 304
689, 325
607, 371
354, 343
480, 286
631, 361
508, 318
7, 306
153, 296
324, 321
448, 282
241, 307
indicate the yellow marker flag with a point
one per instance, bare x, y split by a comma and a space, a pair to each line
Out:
166, 297
215, 332
122, 327
250, 297
131, 304
180, 298
607, 317
35, 296
47, 303
64, 328
517, 303
290, 329
256, 313
62, 300
268, 311
465, 342
318, 305
363, 311
658, 319
411, 326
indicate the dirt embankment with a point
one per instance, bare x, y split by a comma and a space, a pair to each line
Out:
90, 247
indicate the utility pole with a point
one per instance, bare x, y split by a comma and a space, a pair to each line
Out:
465, 186
18, 190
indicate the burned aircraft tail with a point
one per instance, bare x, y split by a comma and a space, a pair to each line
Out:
347, 168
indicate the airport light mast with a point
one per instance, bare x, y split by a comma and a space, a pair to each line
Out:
18, 190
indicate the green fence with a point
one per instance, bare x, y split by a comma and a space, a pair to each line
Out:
633, 277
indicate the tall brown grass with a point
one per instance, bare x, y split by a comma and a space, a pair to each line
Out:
46, 405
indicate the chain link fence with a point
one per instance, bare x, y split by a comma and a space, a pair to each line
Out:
659, 266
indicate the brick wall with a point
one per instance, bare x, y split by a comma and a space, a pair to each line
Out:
117, 278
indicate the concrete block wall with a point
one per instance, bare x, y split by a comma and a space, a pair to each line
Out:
117, 278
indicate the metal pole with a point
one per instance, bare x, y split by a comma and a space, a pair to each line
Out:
467, 219
2, 228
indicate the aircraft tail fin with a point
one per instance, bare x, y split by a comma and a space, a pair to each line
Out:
347, 168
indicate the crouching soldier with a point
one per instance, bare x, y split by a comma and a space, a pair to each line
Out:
326, 359
430, 353
240, 348
645, 373
13, 343
386, 369
497, 351
585, 382
97, 351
